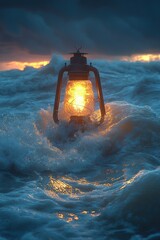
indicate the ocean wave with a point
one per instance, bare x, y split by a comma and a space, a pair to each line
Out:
61, 182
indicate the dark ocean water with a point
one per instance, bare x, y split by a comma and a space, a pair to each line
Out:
102, 184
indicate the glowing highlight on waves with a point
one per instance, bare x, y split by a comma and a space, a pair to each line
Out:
79, 98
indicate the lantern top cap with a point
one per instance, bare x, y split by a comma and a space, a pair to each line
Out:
78, 57
78, 53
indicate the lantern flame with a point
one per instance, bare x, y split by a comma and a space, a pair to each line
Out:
79, 98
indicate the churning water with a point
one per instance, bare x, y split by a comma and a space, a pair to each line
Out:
103, 183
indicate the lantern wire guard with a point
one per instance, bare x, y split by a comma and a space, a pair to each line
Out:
79, 100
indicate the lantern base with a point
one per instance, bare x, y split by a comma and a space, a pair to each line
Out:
80, 120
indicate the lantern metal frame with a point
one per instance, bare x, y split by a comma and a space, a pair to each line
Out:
78, 69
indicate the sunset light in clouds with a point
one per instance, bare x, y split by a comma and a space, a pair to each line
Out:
143, 58
37, 64
21, 65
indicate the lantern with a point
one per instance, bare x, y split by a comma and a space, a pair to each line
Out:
79, 97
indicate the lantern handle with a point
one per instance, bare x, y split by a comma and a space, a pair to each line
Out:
99, 90
58, 94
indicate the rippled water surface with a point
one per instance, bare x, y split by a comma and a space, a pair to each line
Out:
102, 183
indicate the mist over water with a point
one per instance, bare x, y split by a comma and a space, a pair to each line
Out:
58, 183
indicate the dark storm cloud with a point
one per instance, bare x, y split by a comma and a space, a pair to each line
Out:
110, 27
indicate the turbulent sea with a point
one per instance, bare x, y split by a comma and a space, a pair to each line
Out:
102, 183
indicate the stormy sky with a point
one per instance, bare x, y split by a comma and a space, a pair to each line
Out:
105, 27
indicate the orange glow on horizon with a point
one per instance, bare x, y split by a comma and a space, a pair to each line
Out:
38, 63
21, 65
142, 58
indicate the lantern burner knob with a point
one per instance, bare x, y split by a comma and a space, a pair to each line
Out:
80, 120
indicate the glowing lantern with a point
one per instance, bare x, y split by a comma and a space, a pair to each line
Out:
79, 99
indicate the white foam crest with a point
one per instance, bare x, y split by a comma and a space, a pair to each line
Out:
123, 123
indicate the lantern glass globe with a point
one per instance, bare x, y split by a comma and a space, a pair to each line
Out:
79, 98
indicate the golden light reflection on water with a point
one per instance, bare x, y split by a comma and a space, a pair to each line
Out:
71, 217
61, 187
109, 121
68, 217
84, 181
131, 180
58, 187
